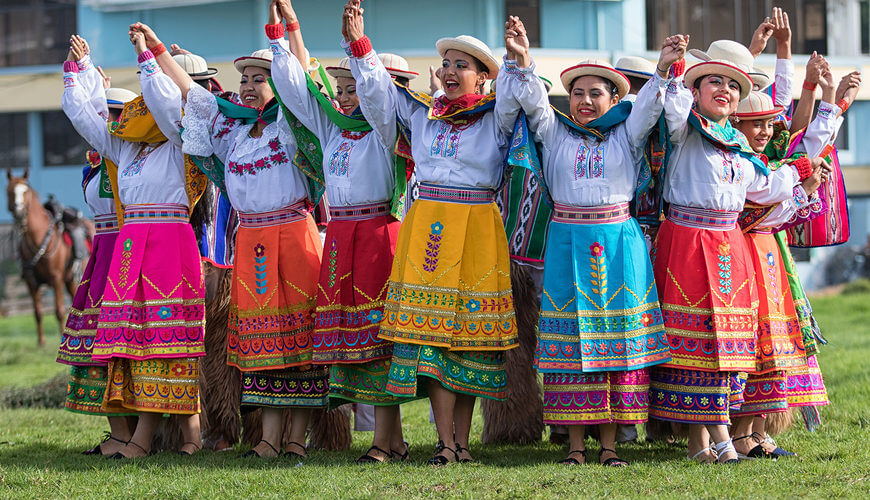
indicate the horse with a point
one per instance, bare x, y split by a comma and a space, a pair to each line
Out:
46, 259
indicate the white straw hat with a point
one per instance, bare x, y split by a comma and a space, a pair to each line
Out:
397, 66
637, 67
116, 97
473, 47
342, 70
261, 58
594, 67
758, 106
724, 57
760, 78
195, 66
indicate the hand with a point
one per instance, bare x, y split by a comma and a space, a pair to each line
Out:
434, 80
673, 50
762, 34
354, 20
826, 82
107, 80
815, 68
150, 37
516, 39
274, 14
285, 9
176, 50
78, 47
781, 28
821, 172
138, 41
849, 87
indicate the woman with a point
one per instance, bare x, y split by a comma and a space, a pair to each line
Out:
150, 329
277, 247
87, 384
449, 307
601, 326
702, 266
779, 345
360, 174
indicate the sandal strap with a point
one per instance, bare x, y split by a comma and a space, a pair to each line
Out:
743, 437
582, 452
373, 447
137, 445
602, 450
304, 448
705, 450
270, 446
113, 438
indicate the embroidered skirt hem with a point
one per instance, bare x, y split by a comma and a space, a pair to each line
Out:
153, 385
596, 398
288, 388
361, 383
693, 396
86, 390
764, 393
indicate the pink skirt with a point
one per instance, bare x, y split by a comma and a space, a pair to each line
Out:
153, 305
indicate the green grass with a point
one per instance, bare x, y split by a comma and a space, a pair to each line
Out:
39, 451
22, 363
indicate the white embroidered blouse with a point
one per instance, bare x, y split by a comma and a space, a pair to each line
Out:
147, 173
582, 170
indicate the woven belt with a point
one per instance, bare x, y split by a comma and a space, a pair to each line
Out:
106, 223
155, 213
604, 214
359, 212
295, 212
456, 194
703, 218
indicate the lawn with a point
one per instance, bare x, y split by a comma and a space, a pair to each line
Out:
39, 449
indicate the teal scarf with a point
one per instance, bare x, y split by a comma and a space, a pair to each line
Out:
727, 137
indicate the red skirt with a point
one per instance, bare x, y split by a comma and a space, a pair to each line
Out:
356, 264
704, 275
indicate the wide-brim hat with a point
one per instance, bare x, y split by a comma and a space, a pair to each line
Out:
637, 67
116, 97
261, 59
342, 70
759, 78
195, 66
758, 106
397, 66
723, 57
594, 67
473, 47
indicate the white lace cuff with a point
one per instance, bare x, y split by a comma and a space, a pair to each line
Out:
200, 111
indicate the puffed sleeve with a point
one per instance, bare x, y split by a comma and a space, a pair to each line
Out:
522, 86
84, 118
645, 113
206, 131
379, 98
782, 80
776, 187
162, 97
93, 83
677, 105
821, 130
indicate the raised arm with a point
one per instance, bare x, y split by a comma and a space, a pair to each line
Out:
650, 99
784, 73
776, 187
800, 119
284, 9
163, 58
161, 95
90, 79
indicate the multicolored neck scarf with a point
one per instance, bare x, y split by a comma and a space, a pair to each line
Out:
93, 167
356, 122
648, 203
137, 125
459, 111
600, 126
726, 137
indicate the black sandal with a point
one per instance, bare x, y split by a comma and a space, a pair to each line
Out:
571, 460
438, 459
120, 456
612, 461
368, 458
184, 453
253, 453
98, 449
298, 455
401, 457
460, 449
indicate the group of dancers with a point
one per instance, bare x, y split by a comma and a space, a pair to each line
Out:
696, 317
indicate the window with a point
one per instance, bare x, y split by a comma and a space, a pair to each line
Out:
34, 33
865, 26
62, 145
710, 20
530, 13
14, 151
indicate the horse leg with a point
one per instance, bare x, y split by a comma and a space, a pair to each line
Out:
37, 311
58, 302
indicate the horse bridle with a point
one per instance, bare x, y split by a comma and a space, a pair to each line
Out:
21, 223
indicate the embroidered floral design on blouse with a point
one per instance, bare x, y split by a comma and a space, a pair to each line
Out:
135, 167
589, 162
276, 157
446, 142
433, 247
226, 127
732, 168
339, 160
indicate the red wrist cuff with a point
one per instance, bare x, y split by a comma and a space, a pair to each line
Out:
843, 104
361, 47
70, 67
678, 68
803, 166
294, 26
809, 86
159, 49
275, 31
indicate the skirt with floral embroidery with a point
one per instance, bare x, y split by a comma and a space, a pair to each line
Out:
297, 387
695, 396
157, 385
86, 391
274, 290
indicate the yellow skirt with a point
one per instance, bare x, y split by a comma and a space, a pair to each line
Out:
450, 283
153, 385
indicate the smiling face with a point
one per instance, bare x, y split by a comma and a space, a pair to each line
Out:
345, 94
461, 74
757, 132
254, 89
716, 97
591, 97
